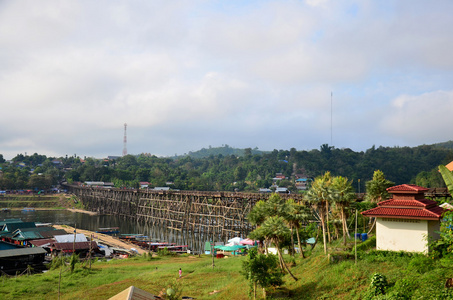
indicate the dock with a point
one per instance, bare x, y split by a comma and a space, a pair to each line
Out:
103, 238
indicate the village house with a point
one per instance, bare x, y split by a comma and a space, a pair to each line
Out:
407, 220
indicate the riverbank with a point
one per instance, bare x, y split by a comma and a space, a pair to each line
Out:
102, 238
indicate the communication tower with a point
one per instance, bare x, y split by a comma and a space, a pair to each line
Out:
125, 141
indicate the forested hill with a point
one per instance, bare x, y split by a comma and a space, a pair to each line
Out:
446, 145
224, 150
247, 172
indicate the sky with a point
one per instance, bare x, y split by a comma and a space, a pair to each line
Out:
186, 75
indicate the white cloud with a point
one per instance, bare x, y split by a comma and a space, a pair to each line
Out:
190, 74
419, 119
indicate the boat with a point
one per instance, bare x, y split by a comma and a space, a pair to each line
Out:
27, 209
175, 248
108, 230
6, 209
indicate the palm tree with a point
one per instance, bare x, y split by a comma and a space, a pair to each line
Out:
319, 194
297, 214
274, 228
274, 206
343, 196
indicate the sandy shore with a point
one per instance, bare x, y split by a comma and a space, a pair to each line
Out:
102, 238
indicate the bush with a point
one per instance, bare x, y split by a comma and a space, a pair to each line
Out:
420, 264
367, 245
165, 252
378, 286
404, 289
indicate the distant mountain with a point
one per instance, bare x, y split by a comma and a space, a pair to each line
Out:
445, 145
224, 151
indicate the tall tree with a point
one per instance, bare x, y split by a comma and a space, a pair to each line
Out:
297, 214
269, 216
343, 196
376, 190
275, 229
319, 194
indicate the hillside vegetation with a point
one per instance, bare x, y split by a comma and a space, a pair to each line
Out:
407, 277
248, 170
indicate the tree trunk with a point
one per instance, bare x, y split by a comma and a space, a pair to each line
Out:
254, 290
301, 253
323, 226
292, 241
284, 264
372, 226
345, 225
327, 221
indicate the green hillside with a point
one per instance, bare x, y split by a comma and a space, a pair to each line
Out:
407, 276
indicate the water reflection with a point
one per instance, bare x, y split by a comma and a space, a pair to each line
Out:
78, 220
93, 223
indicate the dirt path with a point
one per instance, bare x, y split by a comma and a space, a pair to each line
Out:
103, 238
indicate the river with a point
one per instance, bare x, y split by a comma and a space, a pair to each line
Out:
78, 220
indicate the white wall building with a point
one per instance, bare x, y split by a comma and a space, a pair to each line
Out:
405, 222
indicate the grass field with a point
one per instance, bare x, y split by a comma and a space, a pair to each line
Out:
408, 277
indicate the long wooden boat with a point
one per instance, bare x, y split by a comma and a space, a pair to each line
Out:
108, 230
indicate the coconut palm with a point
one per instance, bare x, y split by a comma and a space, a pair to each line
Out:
297, 214
319, 195
343, 196
275, 229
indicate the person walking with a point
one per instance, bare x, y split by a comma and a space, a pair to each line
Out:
180, 272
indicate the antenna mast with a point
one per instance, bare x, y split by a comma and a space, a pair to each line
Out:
331, 134
125, 141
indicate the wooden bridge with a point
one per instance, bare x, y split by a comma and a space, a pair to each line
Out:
190, 217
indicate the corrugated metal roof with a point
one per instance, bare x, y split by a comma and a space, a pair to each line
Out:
76, 246
22, 251
16, 225
41, 242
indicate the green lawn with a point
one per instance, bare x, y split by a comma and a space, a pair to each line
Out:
408, 276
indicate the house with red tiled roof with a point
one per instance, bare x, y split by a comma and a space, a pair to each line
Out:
407, 220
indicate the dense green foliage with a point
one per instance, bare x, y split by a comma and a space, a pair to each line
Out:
247, 170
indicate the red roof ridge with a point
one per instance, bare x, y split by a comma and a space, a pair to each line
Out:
423, 203
407, 188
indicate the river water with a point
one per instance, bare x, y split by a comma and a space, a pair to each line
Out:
78, 220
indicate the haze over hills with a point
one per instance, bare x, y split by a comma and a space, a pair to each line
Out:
227, 150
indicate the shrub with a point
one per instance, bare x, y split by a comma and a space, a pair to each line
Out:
378, 286
420, 264
165, 252
367, 245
